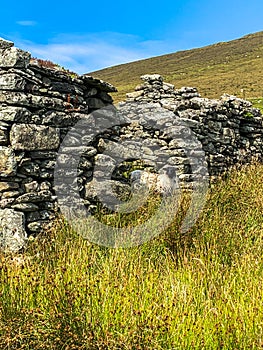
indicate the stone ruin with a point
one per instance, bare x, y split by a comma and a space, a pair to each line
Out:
39, 106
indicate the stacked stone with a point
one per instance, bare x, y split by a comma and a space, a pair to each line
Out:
229, 129
38, 106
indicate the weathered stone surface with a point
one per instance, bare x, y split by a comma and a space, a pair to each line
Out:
26, 207
43, 154
13, 114
39, 216
107, 191
3, 135
38, 226
95, 103
13, 57
34, 137
8, 164
135, 94
5, 44
13, 235
102, 85
10, 194
152, 77
104, 166
105, 97
29, 100
60, 119
12, 81
35, 197
6, 186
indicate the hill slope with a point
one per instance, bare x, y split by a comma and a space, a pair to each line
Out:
215, 69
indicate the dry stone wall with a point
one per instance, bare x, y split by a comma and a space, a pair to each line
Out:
40, 106
229, 128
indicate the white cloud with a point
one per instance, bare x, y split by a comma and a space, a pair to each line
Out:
27, 23
91, 52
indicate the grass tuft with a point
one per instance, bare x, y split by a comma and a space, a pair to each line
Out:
201, 290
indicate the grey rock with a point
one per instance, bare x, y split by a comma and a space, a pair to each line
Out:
152, 77
32, 186
5, 44
13, 57
38, 226
40, 215
13, 235
91, 92
21, 99
35, 197
97, 83
95, 103
135, 94
105, 97
108, 191
25, 207
8, 164
3, 136
12, 81
43, 154
34, 137
10, 194
13, 114
7, 186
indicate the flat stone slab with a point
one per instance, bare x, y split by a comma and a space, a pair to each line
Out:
32, 137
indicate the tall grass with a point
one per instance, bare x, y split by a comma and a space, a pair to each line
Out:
202, 290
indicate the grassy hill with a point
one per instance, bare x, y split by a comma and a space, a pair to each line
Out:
225, 67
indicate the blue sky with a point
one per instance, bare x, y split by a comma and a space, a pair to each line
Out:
84, 35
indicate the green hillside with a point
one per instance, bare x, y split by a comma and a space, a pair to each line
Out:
225, 67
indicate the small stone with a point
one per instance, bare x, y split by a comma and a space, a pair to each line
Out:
10, 194
168, 87
152, 77
6, 186
139, 87
3, 136
135, 94
13, 235
91, 92
8, 164
5, 44
38, 226
26, 207
34, 197
32, 186
45, 185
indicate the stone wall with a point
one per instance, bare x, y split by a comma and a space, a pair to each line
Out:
229, 129
39, 107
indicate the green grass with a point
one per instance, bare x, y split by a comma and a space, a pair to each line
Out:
233, 67
201, 290
258, 103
